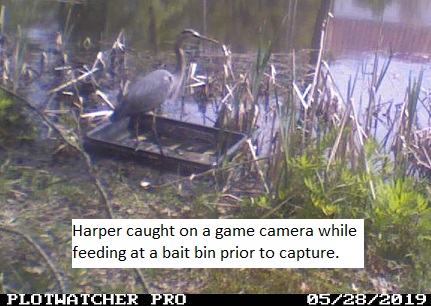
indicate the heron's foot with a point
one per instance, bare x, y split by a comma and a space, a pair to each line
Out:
161, 150
141, 138
139, 145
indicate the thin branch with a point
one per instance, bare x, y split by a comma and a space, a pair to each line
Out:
45, 256
211, 171
81, 77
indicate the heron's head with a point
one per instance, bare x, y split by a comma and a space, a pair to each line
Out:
192, 33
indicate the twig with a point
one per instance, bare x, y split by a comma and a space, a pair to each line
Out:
83, 76
209, 172
45, 256
105, 98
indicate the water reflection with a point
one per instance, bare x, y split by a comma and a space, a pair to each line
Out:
402, 26
150, 25
153, 25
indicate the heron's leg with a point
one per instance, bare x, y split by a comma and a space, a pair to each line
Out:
156, 135
136, 126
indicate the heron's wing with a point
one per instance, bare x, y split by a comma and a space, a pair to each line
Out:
146, 93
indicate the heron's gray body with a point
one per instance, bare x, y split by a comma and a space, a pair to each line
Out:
147, 93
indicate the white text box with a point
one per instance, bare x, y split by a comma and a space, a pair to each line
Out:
218, 243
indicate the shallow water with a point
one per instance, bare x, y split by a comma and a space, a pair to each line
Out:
400, 27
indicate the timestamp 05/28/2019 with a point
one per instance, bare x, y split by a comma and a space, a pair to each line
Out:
367, 299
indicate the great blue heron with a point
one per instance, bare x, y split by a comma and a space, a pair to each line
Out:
148, 92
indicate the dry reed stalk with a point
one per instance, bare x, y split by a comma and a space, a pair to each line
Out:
6, 71
2, 18
361, 136
104, 98
256, 163
229, 94
315, 83
333, 83
16, 60
3, 287
227, 66
336, 145
71, 82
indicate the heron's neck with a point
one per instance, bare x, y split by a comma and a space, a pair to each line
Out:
181, 60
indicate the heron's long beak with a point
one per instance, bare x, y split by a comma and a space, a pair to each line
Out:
199, 36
